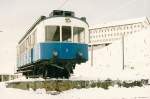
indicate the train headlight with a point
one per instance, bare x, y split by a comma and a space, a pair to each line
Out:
55, 53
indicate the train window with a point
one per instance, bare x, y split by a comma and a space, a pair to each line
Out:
79, 34
66, 33
33, 38
52, 33
29, 41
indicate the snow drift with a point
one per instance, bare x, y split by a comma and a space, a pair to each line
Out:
108, 60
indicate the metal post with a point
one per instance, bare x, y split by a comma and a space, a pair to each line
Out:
91, 55
60, 33
123, 51
2, 77
72, 36
9, 77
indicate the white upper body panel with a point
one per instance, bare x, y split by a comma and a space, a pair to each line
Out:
61, 21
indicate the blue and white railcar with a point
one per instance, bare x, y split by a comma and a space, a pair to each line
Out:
53, 45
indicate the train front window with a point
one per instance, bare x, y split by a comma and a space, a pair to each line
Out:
78, 34
52, 33
66, 33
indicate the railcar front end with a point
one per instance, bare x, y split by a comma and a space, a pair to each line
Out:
53, 46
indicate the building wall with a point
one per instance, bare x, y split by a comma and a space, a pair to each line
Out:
104, 34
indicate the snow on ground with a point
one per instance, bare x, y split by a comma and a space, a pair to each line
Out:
108, 60
94, 93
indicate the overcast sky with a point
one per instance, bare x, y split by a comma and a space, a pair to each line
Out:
16, 16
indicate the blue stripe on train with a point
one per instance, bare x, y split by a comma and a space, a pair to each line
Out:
44, 51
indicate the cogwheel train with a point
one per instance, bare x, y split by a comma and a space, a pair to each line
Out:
53, 46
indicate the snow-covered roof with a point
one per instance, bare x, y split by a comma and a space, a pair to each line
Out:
122, 22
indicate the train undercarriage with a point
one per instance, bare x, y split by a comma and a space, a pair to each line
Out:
46, 69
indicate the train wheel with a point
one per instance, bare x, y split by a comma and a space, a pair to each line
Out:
70, 67
73, 66
45, 72
66, 74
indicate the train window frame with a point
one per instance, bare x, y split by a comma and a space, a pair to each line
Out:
79, 39
51, 37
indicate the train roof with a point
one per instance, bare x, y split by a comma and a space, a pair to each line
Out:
54, 13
